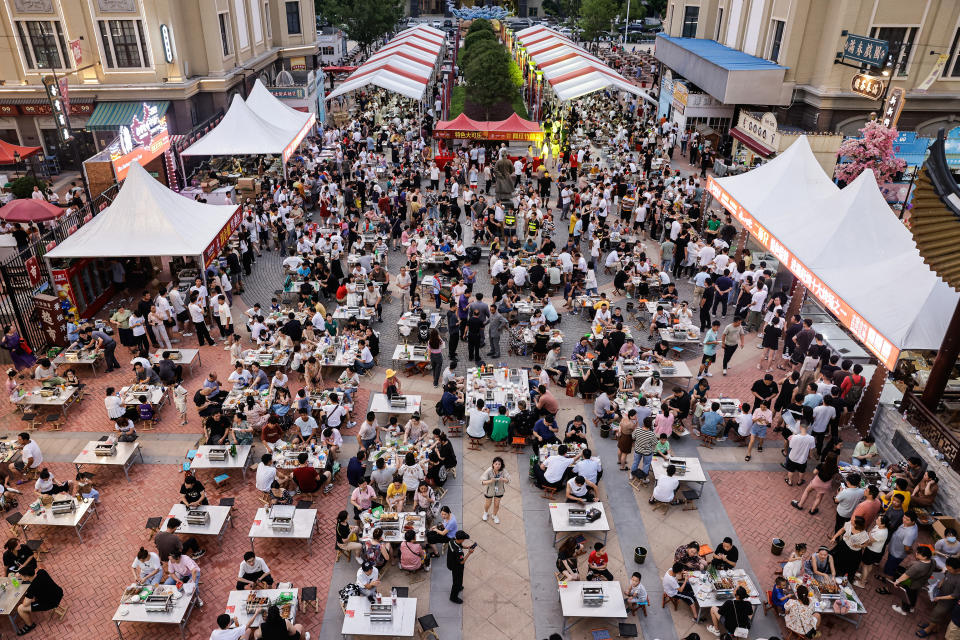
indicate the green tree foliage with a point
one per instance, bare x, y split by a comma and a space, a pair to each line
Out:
483, 46
363, 20
22, 187
479, 36
488, 77
480, 24
596, 16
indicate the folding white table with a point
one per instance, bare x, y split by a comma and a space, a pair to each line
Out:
380, 404
126, 455
236, 603
216, 525
10, 599
560, 519
179, 614
693, 474
188, 357
240, 461
304, 521
571, 602
75, 519
356, 619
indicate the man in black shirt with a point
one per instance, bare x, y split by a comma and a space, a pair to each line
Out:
192, 493
453, 329
457, 556
764, 389
537, 272
293, 328
168, 371
43, 594
731, 614
725, 556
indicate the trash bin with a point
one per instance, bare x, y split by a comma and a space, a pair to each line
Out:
777, 547
639, 554
605, 431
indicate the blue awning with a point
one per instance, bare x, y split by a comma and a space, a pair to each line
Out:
721, 55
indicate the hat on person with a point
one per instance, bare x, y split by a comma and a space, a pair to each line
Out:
391, 373
367, 565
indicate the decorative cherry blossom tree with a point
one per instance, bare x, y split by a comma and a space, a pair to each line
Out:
874, 150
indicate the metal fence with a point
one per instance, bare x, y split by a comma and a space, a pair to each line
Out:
17, 288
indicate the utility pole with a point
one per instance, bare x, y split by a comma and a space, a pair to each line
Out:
626, 26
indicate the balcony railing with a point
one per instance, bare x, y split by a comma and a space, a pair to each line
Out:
941, 437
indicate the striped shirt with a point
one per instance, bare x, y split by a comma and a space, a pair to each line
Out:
644, 441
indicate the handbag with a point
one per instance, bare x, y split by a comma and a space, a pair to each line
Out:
739, 632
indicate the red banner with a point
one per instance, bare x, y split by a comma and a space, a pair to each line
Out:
52, 321
33, 271
213, 250
65, 93
865, 332
77, 52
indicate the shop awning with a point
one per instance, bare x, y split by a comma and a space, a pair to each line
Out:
729, 75
846, 247
752, 144
7, 151
113, 115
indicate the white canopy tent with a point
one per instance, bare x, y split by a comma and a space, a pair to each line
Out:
148, 219
569, 69
244, 133
849, 240
405, 65
270, 108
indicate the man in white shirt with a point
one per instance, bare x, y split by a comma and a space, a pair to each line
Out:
307, 426
368, 579
666, 487
196, 316
476, 426
588, 467
674, 589
334, 412
253, 572
755, 311
240, 377
550, 472
267, 473
30, 456
230, 629
800, 445
114, 404
366, 358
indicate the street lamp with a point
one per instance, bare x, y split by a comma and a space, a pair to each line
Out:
16, 162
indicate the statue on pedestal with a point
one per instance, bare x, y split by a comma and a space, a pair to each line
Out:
503, 173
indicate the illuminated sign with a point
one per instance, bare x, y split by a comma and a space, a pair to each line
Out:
167, 43
867, 86
214, 248
680, 95
58, 108
292, 147
866, 50
145, 138
858, 326
891, 110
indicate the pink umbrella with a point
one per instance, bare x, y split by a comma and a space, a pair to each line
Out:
30, 210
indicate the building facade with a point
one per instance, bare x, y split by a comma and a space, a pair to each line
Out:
813, 92
186, 58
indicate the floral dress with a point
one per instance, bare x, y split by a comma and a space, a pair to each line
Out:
799, 617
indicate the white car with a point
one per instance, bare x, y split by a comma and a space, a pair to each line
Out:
436, 24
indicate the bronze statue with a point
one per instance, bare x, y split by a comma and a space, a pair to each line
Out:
503, 173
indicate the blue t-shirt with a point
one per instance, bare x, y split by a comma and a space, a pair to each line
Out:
711, 423
451, 526
708, 337
543, 430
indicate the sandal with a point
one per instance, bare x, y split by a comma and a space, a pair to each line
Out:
760, 448
920, 633
796, 505
882, 591
22, 631
787, 480
814, 512
800, 483
746, 458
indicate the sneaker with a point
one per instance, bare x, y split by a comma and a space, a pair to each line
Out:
484, 516
352, 424
724, 372
199, 554
899, 610
721, 438
712, 629
426, 567
327, 489
186, 334
496, 520
708, 374
306, 636
200, 603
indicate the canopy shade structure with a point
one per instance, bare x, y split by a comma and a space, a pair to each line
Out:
846, 246
148, 219
270, 108
244, 133
7, 151
405, 65
513, 128
569, 69
935, 216
29, 210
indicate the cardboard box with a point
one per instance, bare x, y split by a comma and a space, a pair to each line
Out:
942, 523
209, 185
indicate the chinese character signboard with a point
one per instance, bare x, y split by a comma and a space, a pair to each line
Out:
53, 323
680, 95
142, 140
76, 51
866, 50
33, 271
872, 339
293, 93
220, 242
867, 86
891, 110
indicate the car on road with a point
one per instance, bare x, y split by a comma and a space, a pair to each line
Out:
436, 24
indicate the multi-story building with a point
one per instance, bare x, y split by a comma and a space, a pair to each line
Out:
186, 57
780, 56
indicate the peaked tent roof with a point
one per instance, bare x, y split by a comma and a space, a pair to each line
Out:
147, 219
570, 70
270, 108
516, 123
850, 240
7, 150
242, 132
404, 65
462, 122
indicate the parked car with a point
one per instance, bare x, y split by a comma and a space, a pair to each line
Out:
448, 22
436, 24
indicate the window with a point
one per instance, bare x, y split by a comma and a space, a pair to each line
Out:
293, 17
124, 44
42, 43
719, 23
952, 68
532, 11
226, 36
900, 39
776, 39
326, 51
690, 16
266, 20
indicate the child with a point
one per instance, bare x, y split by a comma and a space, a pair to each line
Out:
636, 594
85, 487
697, 413
145, 409
663, 447
393, 429
781, 593
180, 400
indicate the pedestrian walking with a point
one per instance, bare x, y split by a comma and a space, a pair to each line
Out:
457, 555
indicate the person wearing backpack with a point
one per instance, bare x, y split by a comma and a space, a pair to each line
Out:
851, 389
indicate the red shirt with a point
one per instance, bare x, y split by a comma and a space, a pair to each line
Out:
599, 559
306, 478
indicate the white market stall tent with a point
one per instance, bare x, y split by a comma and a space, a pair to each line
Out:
405, 65
242, 132
848, 248
148, 219
273, 110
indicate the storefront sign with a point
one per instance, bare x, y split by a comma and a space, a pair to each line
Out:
33, 271
292, 147
8, 110
866, 50
53, 323
61, 284
213, 250
45, 110
680, 95
867, 86
167, 41
891, 112
666, 95
292, 93
145, 138
298, 63
762, 129
863, 330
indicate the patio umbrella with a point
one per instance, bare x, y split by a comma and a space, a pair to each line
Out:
29, 210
